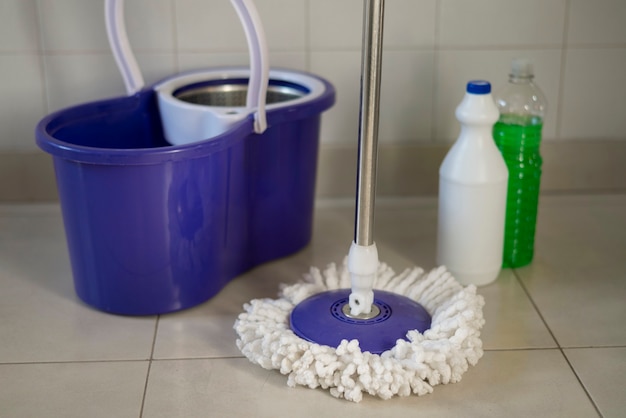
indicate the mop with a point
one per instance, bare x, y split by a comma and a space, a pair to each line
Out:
358, 327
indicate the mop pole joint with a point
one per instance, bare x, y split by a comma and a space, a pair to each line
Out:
363, 266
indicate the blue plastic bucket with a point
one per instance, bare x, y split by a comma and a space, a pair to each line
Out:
153, 228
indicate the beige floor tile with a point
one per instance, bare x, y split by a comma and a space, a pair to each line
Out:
42, 319
406, 236
603, 372
207, 330
504, 383
49, 338
511, 321
192, 334
577, 277
582, 310
107, 389
580, 231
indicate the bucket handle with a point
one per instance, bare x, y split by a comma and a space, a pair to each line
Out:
257, 46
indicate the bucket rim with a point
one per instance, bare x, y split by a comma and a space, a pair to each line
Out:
313, 85
55, 121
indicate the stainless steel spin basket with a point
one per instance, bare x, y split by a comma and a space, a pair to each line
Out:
233, 94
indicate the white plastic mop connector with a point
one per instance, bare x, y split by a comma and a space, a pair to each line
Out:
363, 266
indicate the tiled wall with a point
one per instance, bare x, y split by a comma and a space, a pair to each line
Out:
54, 53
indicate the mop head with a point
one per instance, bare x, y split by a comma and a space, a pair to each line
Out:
438, 356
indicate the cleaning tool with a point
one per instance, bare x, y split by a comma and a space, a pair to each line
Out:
358, 327
472, 193
153, 227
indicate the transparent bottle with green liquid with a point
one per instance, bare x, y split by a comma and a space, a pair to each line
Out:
517, 133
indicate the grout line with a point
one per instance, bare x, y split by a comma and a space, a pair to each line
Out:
496, 350
26, 363
598, 46
158, 360
307, 35
42, 60
561, 92
532, 301
145, 387
198, 358
20, 53
175, 36
560, 348
356, 48
585, 192
580, 382
436, 49
500, 47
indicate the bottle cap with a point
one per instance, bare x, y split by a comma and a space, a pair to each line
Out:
522, 67
478, 87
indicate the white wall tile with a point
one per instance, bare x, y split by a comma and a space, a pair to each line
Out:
156, 66
18, 25
197, 60
593, 94
410, 23
150, 25
597, 22
193, 61
73, 79
405, 102
72, 25
464, 38
406, 96
284, 22
456, 68
208, 26
337, 24
291, 60
342, 69
501, 22
21, 101
78, 25
214, 26
79, 78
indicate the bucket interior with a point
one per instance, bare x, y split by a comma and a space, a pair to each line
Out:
121, 123
233, 92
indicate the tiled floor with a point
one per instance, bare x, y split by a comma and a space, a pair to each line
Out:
555, 335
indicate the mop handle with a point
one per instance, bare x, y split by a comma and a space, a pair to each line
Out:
118, 40
257, 46
259, 60
371, 65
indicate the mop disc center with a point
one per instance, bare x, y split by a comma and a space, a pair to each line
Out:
324, 319
341, 310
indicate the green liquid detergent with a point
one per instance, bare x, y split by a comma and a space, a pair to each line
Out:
518, 138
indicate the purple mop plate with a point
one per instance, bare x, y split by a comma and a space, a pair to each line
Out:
320, 319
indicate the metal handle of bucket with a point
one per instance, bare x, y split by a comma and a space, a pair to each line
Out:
257, 46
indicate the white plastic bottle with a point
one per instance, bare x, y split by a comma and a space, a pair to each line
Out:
472, 193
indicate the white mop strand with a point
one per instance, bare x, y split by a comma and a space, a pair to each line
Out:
438, 356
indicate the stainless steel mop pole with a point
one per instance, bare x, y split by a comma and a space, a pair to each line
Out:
371, 65
363, 255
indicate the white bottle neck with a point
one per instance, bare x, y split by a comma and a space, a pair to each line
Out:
477, 110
